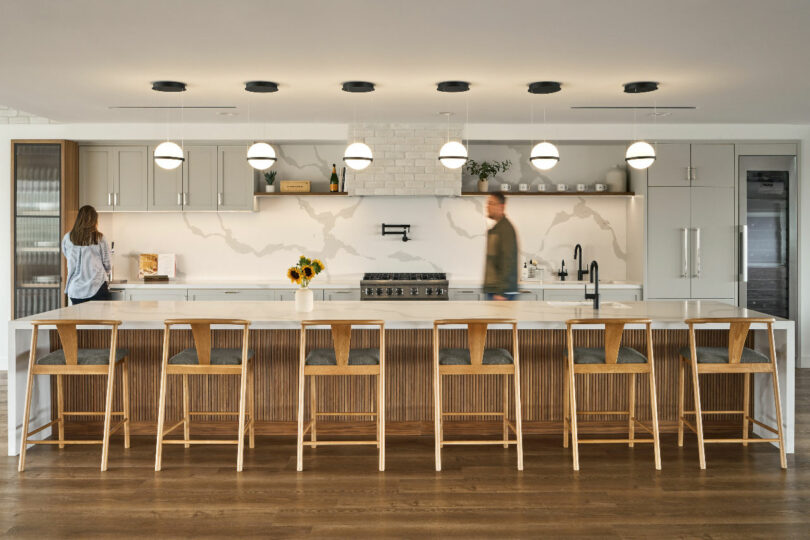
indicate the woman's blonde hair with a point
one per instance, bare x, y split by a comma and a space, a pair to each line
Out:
85, 229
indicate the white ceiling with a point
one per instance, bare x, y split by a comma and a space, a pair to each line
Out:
738, 61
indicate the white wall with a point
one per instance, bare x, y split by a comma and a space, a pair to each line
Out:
492, 132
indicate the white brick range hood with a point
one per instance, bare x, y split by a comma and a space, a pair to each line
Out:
406, 160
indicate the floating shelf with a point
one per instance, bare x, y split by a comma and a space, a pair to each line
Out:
552, 193
304, 193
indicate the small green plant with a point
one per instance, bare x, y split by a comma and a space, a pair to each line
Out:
485, 169
270, 177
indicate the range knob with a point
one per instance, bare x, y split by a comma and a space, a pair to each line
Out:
414, 291
399, 291
369, 291
379, 291
428, 291
389, 291
440, 291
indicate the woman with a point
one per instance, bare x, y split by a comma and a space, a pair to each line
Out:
88, 259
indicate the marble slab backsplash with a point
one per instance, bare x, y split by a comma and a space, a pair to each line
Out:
447, 234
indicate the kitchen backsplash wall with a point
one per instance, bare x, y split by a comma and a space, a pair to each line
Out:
447, 234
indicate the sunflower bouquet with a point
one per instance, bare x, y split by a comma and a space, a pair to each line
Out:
303, 272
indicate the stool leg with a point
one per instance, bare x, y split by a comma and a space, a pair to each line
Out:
681, 391
437, 401
300, 441
698, 413
654, 413
162, 401
778, 407
186, 413
381, 415
518, 418
27, 412
125, 388
251, 413
313, 409
240, 445
746, 407
566, 405
505, 410
60, 407
631, 424
105, 444
572, 396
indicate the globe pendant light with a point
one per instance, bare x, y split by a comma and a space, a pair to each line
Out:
168, 155
544, 155
358, 155
261, 156
453, 154
640, 155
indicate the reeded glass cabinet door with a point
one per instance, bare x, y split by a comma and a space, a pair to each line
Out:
37, 251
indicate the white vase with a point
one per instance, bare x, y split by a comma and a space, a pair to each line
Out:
304, 300
269, 188
616, 179
483, 186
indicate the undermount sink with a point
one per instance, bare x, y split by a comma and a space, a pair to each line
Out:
586, 303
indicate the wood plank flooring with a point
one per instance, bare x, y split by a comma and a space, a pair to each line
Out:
617, 494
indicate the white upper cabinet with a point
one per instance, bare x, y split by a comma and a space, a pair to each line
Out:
200, 178
683, 164
671, 166
165, 187
234, 179
113, 178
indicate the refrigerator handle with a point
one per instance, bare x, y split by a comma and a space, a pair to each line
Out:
698, 262
685, 253
744, 253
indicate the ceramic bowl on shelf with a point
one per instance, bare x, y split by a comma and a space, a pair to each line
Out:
562, 187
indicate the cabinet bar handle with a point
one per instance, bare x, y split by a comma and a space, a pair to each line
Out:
685, 253
698, 258
694, 173
179, 199
115, 199
109, 199
185, 198
219, 198
744, 253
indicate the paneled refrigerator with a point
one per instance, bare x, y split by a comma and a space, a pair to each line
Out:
768, 267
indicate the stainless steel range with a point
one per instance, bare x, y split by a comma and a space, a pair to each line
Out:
404, 286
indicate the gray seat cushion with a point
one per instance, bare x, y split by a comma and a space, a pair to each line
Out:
461, 357
357, 357
719, 355
219, 357
84, 357
596, 355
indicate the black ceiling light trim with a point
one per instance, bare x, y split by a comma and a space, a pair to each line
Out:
169, 86
453, 86
261, 87
358, 86
544, 87
640, 87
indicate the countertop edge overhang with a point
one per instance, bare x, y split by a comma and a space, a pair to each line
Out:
261, 285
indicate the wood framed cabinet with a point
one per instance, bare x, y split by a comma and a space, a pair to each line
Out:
113, 178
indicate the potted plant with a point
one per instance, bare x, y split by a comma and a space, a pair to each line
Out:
301, 274
270, 178
485, 169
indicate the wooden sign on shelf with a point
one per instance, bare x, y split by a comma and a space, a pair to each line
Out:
295, 186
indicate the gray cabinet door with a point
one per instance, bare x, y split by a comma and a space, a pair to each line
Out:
288, 295
671, 167
164, 187
465, 294
151, 295
713, 165
234, 179
130, 190
565, 295
332, 295
96, 172
230, 295
668, 224
619, 295
713, 241
200, 178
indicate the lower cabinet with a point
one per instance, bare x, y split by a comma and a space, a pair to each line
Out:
151, 295
332, 295
231, 294
288, 295
605, 295
465, 294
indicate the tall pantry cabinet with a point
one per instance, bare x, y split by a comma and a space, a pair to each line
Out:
691, 233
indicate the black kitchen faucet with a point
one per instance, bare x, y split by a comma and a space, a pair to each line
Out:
594, 271
580, 271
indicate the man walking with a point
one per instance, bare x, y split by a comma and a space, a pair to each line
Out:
501, 271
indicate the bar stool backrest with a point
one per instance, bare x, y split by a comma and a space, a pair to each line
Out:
68, 335
341, 335
201, 332
614, 329
476, 334
737, 332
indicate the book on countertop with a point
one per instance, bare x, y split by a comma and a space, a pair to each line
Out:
153, 264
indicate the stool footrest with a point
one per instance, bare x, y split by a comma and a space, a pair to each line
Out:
740, 440
608, 441
470, 443
91, 413
473, 414
40, 428
198, 441
345, 414
715, 412
623, 413
65, 442
339, 443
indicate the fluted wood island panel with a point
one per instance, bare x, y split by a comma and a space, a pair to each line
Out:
274, 337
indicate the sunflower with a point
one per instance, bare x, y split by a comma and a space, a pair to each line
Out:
294, 274
318, 266
308, 272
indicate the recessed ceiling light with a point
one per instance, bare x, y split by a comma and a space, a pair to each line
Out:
640, 87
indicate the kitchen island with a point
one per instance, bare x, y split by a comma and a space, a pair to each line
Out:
274, 329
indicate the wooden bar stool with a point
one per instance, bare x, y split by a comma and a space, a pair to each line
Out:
340, 360
203, 360
611, 359
477, 360
737, 358
70, 360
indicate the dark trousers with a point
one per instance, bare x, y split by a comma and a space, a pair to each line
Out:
103, 293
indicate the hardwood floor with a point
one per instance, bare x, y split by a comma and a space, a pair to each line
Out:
743, 493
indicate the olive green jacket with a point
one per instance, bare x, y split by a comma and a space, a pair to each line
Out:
501, 271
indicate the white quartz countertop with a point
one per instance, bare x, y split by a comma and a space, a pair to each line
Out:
352, 284
396, 314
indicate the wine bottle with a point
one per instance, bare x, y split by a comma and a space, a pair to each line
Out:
333, 180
